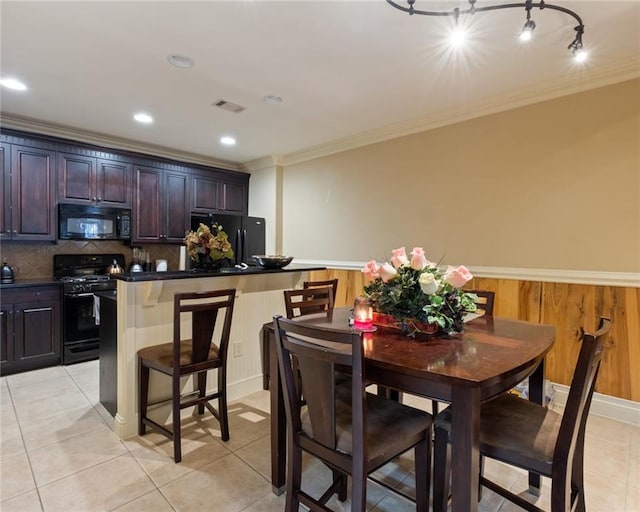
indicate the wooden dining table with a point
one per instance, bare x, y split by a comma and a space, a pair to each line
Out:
490, 356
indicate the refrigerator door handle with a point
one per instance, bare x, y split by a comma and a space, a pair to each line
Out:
245, 247
238, 246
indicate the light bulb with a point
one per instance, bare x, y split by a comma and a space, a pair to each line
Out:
141, 117
580, 55
527, 30
12, 83
457, 37
227, 141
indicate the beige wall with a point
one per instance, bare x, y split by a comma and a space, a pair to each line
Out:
554, 185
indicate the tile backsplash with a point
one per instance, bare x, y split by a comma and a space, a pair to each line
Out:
32, 260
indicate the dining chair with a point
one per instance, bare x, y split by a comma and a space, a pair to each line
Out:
194, 356
298, 303
484, 301
351, 431
532, 437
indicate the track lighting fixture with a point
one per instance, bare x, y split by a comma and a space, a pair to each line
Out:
576, 47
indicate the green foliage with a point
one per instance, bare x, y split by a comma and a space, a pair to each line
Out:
403, 298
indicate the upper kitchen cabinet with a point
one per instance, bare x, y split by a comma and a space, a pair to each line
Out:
204, 193
161, 205
233, 197
95, 181
5, 191
29, 194
212, 193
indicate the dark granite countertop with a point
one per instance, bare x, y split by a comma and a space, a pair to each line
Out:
135, 277
38, 281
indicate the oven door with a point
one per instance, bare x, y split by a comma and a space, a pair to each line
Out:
81, 334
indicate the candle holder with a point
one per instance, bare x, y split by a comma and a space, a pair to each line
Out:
363, 314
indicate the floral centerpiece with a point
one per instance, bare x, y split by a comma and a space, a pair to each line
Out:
208, 247
416, 292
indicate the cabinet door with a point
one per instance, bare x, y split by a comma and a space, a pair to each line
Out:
146, 215
204, 194
6, 333
76, 179
37, 331
176, 207
114, 183
233, 198
5, 191
33, 213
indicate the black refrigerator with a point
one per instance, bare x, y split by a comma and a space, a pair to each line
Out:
246, 234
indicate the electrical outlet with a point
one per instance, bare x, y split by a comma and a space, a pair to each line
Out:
238, 349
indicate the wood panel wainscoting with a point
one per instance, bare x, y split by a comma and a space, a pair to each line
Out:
570, 307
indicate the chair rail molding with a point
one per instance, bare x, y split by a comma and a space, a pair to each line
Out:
596, 277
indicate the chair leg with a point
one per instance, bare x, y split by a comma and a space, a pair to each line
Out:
294, 478
143, 396
265, 352
222, 403
441, 471
577, 474
481, 471
358, 489
423, 473
202, 389
434, 408
175, 401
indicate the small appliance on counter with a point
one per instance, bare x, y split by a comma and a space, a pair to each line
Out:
7, 274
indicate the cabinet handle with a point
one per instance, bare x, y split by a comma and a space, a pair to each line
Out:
8, 231
15, 231
99, 199
95, 199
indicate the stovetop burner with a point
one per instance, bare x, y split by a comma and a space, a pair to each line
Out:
85, 273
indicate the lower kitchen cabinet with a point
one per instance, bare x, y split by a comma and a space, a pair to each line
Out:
30, 328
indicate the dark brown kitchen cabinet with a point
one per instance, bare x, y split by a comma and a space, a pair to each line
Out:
33, 195
30, 328
87, 180
5, 191
161, 205
204, 193
233, 198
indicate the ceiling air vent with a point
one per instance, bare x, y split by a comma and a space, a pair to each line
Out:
228, 105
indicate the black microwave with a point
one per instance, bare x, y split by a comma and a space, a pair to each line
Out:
79, 222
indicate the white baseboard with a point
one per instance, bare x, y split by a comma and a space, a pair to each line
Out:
610, 407
244, 387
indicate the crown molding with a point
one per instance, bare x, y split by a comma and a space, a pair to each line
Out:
594, 277
606, 75
259, 164
67, 132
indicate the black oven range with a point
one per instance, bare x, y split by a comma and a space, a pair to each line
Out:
82, 275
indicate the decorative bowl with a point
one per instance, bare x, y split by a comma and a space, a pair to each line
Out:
272, 261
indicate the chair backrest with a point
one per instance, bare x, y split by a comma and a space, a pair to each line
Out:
204, 308
318, 284
485, 300
316, 351
308, 301
574, 419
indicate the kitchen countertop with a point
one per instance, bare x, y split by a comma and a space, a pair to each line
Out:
136, 277
38, 281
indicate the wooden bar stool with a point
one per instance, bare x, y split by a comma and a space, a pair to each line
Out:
194, 356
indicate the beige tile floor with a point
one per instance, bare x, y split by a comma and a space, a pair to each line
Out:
58, 452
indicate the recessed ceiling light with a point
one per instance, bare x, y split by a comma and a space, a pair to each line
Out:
12, 83
227, 141
273, 99
141, 117
180, 61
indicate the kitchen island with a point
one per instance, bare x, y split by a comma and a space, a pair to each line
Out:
144, 311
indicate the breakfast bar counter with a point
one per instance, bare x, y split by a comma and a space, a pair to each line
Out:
144, 316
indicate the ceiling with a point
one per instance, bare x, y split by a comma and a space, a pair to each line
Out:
350, 72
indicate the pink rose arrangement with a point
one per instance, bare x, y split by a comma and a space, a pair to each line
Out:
412, 288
